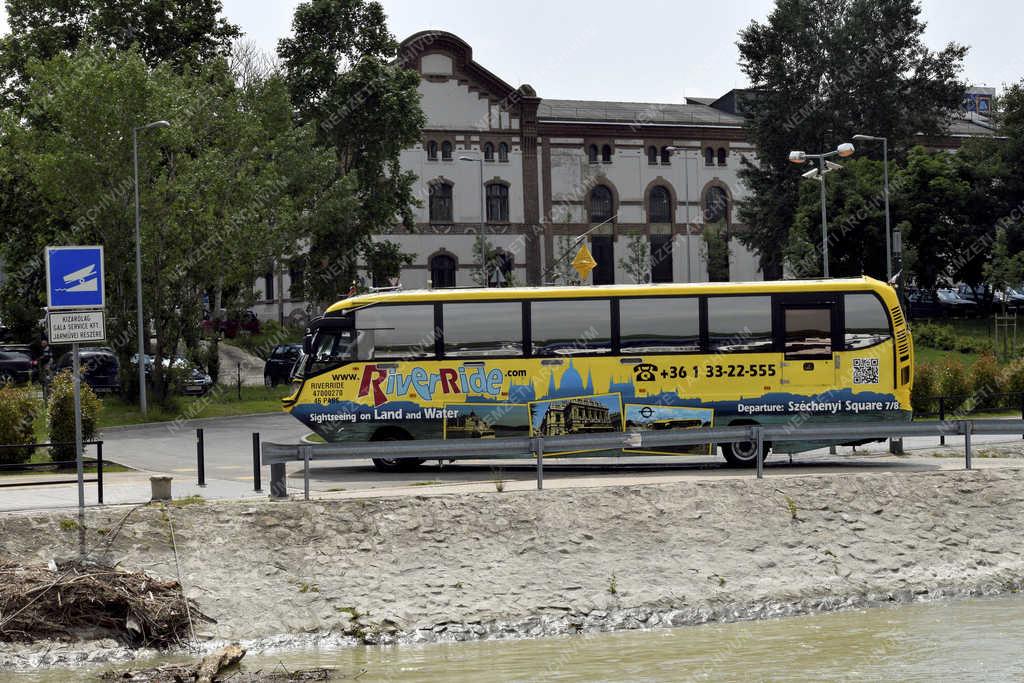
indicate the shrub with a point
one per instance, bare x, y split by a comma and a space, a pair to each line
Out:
18, 411
954, 383
1013, 378
61, 421
989, 385
925, 388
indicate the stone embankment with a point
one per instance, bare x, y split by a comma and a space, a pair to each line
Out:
542, 563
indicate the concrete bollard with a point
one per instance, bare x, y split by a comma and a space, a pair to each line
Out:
160, 488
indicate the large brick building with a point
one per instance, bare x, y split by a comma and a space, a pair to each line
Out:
533, 173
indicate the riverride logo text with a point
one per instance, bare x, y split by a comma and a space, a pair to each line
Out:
386, 381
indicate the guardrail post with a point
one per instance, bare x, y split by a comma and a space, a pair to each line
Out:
942, 418
99, 472
200, 457
257, 484
307, 451
239, 381
278, 481
967, 443
759, 439
538, 451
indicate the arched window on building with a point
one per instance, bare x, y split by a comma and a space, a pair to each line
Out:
606, 154
442, 271
666, 155
503, 152
709, 157
446, 151
592, 154
652, 155
432, 150
722, 156
497, 203
659, 205
440, 202
601, 204
716, 205
489, 151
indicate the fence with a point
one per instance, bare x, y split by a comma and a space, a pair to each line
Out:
277, 455
17, 467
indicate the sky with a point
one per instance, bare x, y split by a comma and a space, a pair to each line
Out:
640, 51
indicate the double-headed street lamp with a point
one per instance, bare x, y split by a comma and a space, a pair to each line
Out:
483, 220
885, 192
138, 263
844, 150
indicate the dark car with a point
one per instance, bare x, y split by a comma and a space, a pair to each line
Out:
956, 306
278, 369
16, 366
924, 304
100, 369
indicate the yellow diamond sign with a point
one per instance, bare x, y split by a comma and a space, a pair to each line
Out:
584, 262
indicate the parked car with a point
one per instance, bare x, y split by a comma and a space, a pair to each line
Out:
16, 366
100, 369
278, 368
956, 306
924, 304
1013, 298
196, 381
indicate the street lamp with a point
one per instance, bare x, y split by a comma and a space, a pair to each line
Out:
686, 203
844, 150
138, 263
483, 218
885, 192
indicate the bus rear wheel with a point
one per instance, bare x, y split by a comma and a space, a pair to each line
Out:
743, 453
395, 464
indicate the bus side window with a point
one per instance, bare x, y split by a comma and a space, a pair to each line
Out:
403, 332
575, 327
867, 323
740, 324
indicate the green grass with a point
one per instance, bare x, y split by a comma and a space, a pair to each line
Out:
222, 402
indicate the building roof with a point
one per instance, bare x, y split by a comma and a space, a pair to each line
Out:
639, 113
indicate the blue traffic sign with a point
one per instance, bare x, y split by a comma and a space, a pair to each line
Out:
74, 277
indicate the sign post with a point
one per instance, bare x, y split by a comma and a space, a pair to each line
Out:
74, 306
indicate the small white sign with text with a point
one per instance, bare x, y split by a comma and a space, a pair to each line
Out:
76, 327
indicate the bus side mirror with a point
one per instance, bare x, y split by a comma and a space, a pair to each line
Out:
307, 344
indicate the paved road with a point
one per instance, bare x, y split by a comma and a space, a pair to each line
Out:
228, 449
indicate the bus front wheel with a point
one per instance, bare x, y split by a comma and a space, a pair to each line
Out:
743, 453
394, 464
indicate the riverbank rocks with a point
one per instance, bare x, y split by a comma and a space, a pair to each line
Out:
490, 565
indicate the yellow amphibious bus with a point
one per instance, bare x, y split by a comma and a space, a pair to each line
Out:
487, 363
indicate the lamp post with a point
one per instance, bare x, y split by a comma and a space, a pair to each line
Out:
138, 263
844, 150
686, 204
483, 219
885, 193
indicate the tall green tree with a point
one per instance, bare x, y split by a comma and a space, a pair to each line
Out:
183, 33
224, 190
821, 71
344, 78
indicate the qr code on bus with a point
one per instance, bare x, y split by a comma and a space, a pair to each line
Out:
865, 371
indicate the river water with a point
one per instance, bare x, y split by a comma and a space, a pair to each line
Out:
969, 640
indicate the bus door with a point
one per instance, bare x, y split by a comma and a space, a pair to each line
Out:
809, 328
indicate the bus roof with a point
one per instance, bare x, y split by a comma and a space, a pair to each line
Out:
695, 288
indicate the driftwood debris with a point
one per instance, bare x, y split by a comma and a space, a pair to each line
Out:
214, 667
76, 601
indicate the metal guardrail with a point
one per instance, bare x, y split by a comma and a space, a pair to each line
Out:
277, 455
18, 467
